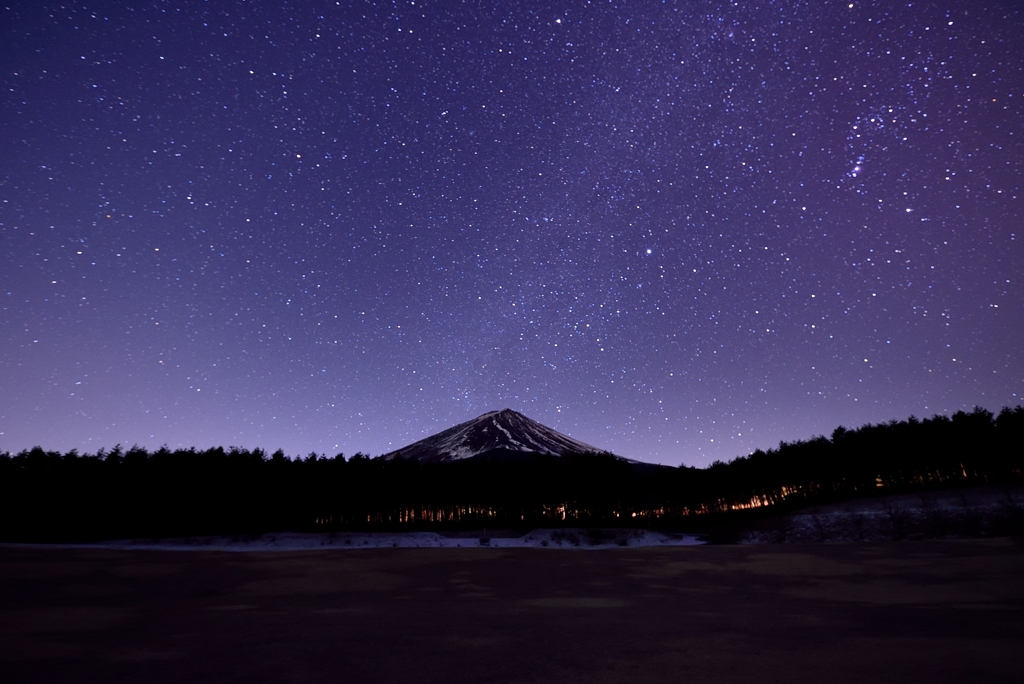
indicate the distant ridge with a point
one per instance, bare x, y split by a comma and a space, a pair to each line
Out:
499, 432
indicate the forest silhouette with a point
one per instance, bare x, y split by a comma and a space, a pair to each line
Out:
48, 496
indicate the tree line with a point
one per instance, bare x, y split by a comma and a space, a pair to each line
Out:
134, 493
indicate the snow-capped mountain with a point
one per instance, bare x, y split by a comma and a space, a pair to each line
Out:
505, 430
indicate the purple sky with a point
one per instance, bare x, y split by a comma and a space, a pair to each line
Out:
679, 232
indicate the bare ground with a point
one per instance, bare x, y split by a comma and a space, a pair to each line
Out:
911, 611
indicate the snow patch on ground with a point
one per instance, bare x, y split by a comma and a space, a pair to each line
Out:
959, 513
296, 541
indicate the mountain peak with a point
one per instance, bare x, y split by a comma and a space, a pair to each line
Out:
506, 430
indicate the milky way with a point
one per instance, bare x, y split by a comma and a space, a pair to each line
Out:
679, 231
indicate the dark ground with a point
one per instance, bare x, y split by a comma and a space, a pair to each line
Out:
930, 611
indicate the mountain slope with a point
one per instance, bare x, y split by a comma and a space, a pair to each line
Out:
505, 430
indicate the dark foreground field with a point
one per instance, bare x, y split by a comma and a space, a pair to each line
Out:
942, 611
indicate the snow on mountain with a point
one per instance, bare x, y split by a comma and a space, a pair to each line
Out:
507, 430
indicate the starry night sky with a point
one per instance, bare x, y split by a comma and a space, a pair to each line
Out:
679, 231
